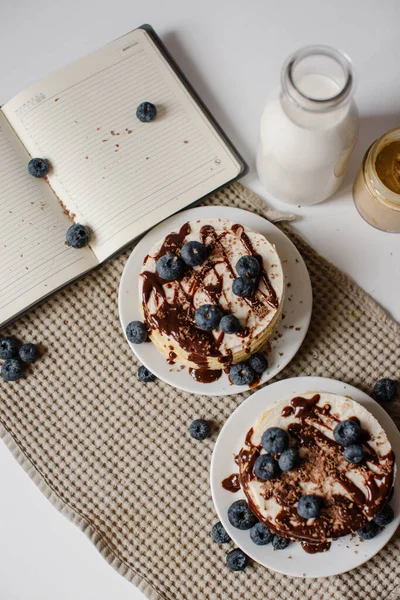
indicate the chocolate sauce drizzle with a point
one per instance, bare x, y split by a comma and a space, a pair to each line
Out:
314, 548
231, 483
271, 298
205, 375
176, 318
323, 459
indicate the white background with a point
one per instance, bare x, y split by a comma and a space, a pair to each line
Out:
231, 51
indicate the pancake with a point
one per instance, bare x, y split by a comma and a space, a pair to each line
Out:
351, 494
169, 307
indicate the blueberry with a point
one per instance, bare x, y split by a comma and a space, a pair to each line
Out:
280, 543
241, 374
229, 324
145, 375
170, 267
258, 362
78, 236
248, 266
200, 429
385, 390
347, 432
8, 347
28, 353
38, 167
11, 369
369, 531
136, 332
385, 517
243, 287
194, 253
260, 534
275, 440
354, 453
240, 516
146, 112
237, 560
309, 506
289, 459
207, 317
266, 467
219, 535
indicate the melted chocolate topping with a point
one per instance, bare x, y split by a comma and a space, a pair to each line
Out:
314, 548
272, 298
173, 241
231, 483
322, 459
176, 318
205, 375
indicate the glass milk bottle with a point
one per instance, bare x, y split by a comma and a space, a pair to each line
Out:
309, 127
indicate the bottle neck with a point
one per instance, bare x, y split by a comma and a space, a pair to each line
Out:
317, 80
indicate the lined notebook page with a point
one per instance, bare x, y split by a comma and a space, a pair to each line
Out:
34, 259
114, 173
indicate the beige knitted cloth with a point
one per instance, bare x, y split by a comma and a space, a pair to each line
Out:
115, 456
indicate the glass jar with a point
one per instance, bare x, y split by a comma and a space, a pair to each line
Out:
376, 203
309, 127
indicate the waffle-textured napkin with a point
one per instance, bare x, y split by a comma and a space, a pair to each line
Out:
115, 457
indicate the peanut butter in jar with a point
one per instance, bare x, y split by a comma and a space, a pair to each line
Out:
376, 189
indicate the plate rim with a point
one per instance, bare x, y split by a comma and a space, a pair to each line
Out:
173, 221
322, 382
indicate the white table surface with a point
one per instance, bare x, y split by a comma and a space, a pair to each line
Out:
232, 52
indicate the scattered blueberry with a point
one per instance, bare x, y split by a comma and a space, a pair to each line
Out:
78, 236
347, 432
275, 440
266, 467
8, 347
309, 506
240, 516
258, 362
136, 332
280, 543
219, 535
369, 531
145, 375
385, 390
38, 167
243, 287
11, 369
28, 353
241, 374
289, 459
170, 267
200, 429
260, 534
146, 112
229, 324
248, 266
354, 453
194, 253
237, 560
207, 317
385, 517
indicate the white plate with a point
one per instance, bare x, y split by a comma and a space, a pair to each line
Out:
297, 304
345, 553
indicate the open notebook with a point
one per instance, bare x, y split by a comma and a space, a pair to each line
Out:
109, 171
